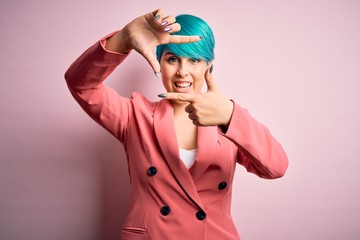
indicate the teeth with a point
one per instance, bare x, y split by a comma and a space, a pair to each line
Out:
182, 84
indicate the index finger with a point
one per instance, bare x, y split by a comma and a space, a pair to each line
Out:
184, 97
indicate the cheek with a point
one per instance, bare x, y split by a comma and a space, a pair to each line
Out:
199, 75
199, 83
166, 71
164, 74
199, 78
166, 78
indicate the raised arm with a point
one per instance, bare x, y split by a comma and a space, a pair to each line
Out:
86, 75
259, 152
144, 33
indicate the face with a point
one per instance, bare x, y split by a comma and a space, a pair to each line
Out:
182, 75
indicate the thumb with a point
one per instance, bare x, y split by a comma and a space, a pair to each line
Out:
210, 80
183, 39
152, 60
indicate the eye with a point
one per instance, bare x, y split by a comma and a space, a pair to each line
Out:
195, 60
172, 59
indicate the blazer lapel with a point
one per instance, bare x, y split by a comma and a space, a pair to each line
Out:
206, 143
166, 137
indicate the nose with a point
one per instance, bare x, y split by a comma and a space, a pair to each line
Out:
183, 69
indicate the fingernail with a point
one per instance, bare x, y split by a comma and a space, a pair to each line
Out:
162, 95
164, 23
211, 68
167, 29
157, 17
157, 74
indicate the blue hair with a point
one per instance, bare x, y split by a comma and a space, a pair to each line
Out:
191, 26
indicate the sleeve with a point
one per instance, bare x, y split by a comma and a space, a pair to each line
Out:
85, 81
259, 152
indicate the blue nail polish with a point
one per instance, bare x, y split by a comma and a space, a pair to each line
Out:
164, 23
167, 29
211, 68
157, 17
162, 95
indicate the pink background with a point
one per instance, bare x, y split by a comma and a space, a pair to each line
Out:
294, 64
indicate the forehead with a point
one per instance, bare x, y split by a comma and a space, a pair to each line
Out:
168, 53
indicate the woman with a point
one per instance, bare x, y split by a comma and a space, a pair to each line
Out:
182, 150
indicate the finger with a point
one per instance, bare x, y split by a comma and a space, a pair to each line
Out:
183, 39
171, 28
189, 108
210, 80
157, 14
196, 122
168, 20
152, 60
192, 116
184, 97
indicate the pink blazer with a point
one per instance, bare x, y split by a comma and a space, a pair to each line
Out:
168, 201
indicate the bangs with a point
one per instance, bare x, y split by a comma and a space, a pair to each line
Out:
191, 26
188, 50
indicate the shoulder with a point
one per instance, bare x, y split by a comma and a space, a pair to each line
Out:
139, 101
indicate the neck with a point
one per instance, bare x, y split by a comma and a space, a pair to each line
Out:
179, 108
186, 131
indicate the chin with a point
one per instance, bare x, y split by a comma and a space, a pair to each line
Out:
179, 103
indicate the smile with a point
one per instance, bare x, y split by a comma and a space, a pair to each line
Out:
182, 84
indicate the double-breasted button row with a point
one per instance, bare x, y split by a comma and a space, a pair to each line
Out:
152, 171
165, 210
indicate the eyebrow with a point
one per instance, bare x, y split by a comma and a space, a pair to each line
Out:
169, 53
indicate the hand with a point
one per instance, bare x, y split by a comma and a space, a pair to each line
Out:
148, 31
211, 108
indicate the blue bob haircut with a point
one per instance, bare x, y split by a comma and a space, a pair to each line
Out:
191, 26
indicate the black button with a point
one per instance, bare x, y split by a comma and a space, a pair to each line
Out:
200, 215
165, 210
222, 185
152, 171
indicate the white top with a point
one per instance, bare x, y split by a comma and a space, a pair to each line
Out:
188, 156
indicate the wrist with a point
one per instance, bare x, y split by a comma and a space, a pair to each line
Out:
229, 108
119, 43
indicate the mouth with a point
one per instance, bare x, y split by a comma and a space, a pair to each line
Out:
182, 85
